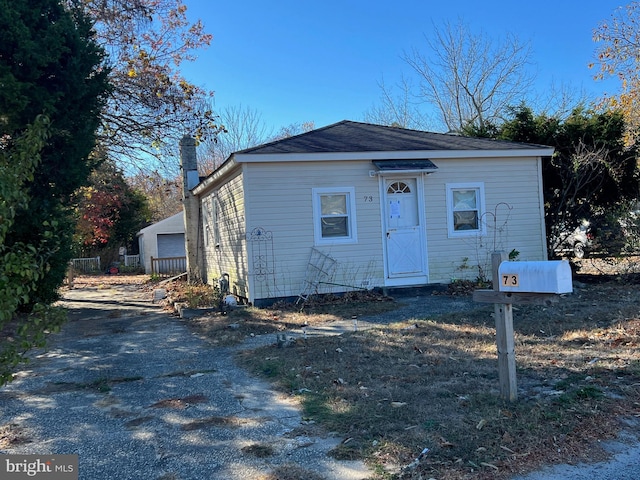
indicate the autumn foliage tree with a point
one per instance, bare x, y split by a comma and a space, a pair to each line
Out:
618, 55
152, 104
109, 212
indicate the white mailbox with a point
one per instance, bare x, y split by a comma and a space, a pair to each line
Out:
552, 276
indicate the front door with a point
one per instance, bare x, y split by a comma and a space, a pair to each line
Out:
405, 240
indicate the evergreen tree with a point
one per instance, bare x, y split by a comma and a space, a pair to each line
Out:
50, 64
52, 88
591, 173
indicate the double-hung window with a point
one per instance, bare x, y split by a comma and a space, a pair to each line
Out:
334, 215
465, 209
210, 220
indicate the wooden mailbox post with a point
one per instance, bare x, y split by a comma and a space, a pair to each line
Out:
532, 283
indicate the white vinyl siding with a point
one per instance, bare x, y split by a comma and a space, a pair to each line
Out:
210, 215
224, 225
513, 216
289, 215
279, 200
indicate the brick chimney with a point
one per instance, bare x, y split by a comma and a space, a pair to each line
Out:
191, 205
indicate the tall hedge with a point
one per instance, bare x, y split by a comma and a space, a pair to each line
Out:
53, 86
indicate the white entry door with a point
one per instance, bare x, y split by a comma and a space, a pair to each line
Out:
404, 232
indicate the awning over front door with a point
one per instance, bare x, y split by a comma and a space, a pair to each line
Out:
423, 165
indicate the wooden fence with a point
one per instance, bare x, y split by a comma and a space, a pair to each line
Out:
86, 265
168, 266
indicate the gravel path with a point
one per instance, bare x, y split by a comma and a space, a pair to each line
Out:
414, 304
136, 395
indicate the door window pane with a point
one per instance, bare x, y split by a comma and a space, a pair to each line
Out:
398, 187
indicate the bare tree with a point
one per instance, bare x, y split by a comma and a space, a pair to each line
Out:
560, 100
400, 109
243, 127
584, 172
468, 77
164, 196
294, 129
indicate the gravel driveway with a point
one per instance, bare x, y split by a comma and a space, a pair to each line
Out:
136, 395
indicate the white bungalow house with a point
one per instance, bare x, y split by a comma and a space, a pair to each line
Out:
163, 239
355, 206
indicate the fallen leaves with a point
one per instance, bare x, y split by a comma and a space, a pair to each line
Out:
444, 443
434, 383
10, 434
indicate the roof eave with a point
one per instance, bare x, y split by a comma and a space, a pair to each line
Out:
226, 169
385, 155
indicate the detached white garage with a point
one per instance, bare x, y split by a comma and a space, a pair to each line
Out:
164, 239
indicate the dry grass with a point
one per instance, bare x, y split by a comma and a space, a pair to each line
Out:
432, 383
235, 325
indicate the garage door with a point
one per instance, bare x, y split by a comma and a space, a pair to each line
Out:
171, 246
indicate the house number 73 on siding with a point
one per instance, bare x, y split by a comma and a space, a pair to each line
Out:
510, 280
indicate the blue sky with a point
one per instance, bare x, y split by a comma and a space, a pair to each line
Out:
321, 61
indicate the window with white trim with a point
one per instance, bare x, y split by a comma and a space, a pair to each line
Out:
334, 215
210, 220
465, 209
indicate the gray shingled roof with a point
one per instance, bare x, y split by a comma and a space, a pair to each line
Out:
348, 136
